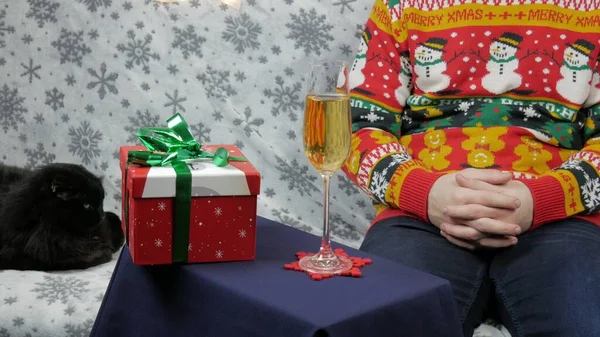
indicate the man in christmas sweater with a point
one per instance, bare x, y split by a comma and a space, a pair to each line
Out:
477, 135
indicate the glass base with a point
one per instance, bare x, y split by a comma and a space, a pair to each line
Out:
325, 263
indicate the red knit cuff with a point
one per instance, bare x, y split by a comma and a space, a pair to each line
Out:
548, 200
415, 192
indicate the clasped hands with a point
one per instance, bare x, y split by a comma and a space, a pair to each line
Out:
477, 208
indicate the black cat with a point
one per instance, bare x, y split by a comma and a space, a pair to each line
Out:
52, 218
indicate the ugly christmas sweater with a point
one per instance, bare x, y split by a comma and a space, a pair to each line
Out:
443, 85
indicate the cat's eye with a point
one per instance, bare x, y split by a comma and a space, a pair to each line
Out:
86, 206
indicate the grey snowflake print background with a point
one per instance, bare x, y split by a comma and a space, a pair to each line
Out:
78, 78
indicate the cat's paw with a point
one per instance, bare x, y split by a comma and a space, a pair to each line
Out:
116, 232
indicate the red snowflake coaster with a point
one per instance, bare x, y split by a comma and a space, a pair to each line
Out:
357, 263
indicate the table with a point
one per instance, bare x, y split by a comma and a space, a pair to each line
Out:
260, 298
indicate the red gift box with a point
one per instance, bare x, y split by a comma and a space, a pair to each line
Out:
222, 224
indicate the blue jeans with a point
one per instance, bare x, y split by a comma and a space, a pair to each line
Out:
548, 284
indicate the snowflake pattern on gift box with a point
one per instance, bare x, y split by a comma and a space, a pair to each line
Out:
158, 243
162, 206
218, 211
219, 254
242, 233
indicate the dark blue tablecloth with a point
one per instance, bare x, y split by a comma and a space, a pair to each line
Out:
260, 298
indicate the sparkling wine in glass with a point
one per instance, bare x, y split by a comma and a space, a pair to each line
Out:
326, 133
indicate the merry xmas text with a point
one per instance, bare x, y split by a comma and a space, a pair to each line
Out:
479, 14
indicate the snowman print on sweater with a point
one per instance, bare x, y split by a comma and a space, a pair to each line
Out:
575, 71
356, 77
430, 66
404, 78
502, 65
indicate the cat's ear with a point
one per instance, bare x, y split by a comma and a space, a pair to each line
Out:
61, 188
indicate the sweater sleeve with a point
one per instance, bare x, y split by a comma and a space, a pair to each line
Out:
381, 82
574, 187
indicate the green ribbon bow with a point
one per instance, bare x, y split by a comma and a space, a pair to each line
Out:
175, 146
175, 143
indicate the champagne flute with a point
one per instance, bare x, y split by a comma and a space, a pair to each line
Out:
326, 132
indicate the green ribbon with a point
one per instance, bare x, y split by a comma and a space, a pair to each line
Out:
175, 146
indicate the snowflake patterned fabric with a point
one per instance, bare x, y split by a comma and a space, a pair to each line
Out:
78, 78
61, 304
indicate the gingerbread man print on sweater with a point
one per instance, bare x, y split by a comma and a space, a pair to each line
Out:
482, 144
533, 156
434, 156
576, 72
503, 64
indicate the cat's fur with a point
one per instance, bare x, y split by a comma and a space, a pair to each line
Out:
52, 218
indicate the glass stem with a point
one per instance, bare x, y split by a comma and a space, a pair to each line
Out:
325, 241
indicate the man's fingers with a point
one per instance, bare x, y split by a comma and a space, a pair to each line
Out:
475, 211
476, 184
483, 219
495, 177
488, 242
497, 242
494, 227
462, 232
460, 243
466, 196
